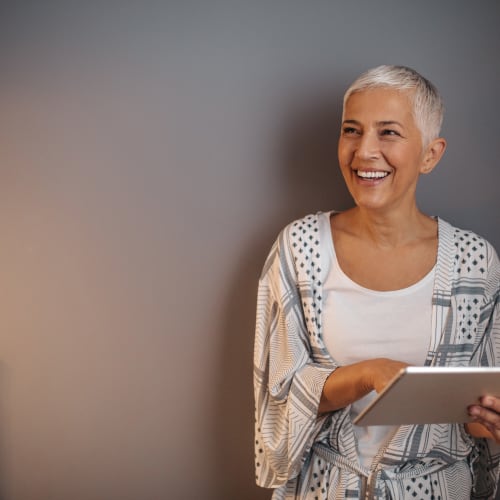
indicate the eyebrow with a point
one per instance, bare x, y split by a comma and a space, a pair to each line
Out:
382, 123
390, 122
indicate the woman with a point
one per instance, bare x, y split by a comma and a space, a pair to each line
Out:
347, 299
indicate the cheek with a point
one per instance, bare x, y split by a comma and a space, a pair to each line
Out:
397, 157
343, 152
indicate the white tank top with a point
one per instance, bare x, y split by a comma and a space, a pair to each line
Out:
359, 324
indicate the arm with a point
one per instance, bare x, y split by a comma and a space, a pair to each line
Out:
486, 414
287, 381
351, 382
486, 464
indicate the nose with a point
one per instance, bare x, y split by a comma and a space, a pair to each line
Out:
368, 146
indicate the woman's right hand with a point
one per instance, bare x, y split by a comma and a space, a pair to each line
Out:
383, 370
349, 383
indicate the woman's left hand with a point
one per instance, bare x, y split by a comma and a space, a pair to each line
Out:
487, 413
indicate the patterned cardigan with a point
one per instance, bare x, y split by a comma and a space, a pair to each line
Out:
303, 456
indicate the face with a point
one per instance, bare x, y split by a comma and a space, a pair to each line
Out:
380, 150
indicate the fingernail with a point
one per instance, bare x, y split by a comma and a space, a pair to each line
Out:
473, 410
487, 401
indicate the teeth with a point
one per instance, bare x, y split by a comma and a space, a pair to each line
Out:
371, 175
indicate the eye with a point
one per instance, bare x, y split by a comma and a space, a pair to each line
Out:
349, 131
390, 132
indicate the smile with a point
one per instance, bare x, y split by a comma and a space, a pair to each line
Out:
371, 174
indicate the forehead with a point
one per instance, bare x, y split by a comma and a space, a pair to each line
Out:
380, 104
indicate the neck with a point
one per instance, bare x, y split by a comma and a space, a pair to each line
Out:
391, 229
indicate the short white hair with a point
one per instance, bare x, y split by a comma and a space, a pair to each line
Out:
428, 108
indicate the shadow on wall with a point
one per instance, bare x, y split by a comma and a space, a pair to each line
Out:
311, 176
307, 161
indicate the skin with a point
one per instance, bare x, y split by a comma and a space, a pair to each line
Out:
486, 418
379, 136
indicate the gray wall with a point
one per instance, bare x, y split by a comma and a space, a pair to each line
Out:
150, 152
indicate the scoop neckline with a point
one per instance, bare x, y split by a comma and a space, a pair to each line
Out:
400, 291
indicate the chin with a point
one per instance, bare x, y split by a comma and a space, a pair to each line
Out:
370, 204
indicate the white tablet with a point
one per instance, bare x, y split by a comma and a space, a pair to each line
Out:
425, 395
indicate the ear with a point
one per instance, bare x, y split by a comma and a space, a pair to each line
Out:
432, 155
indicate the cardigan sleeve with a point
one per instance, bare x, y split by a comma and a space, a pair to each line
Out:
287, 382
486, 463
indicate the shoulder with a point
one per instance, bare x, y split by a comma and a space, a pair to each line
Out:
302, 237
466, 242
297, 243
474, 256
305, 227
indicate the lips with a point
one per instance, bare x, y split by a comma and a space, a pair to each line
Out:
371, 174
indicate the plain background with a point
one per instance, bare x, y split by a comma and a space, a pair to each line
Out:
150, 153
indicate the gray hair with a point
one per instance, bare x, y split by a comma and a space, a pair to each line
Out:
428, 108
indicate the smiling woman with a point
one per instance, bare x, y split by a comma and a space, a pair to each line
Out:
348, 299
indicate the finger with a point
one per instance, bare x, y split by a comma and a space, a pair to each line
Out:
492, 429
491, 403
489, 418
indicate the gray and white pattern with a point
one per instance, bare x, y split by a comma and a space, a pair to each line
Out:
303, 456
